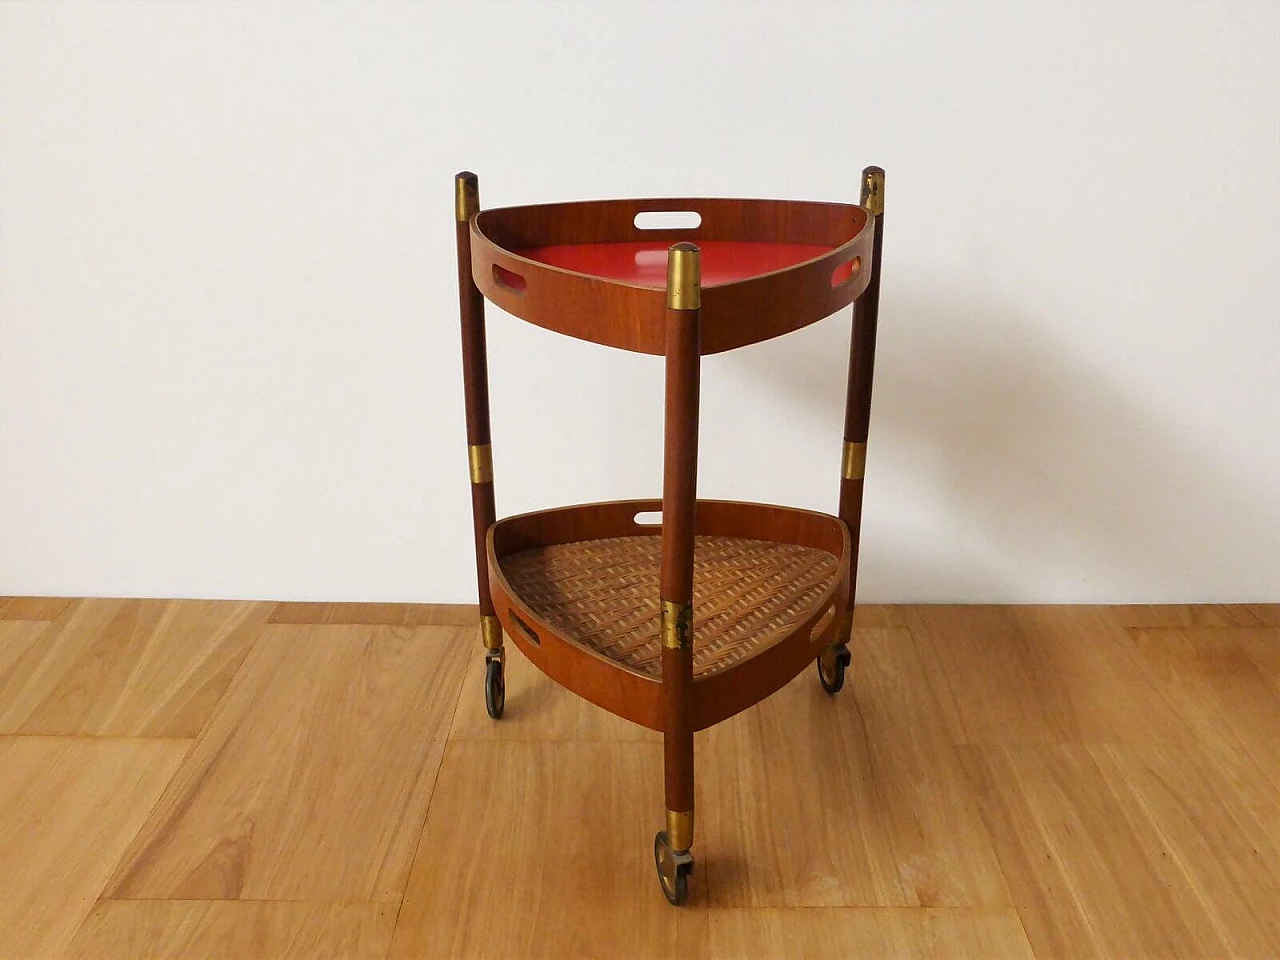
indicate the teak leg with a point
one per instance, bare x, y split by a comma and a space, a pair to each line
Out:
475, 380
679, 504
857, 419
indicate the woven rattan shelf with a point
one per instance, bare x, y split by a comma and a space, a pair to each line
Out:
603, 594
674, 613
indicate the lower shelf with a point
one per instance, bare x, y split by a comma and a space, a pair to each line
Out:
603, 594
577, 590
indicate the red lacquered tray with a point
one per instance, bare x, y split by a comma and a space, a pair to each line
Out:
645, 262
587, 270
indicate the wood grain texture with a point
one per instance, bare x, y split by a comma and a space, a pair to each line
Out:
234, 930
383, 614
848, 826
312, 780
68, 809
1184, 615
1115, 851
1213, 829
539, 850
1040, 675
867, 933
33, 608
127, 668
1266, 613
858, 799
1262, 646
19, 649
1227, 696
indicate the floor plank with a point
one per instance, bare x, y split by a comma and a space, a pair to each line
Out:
852, 800
1154, 615
1022, 675
1215, 833
19, 644
1115, 791
1267, 613
33, 608
1227, 696
227, 929
312, 779
127, 668
68, 809
538, 850
383, 614
873, 933
1084, 857
537, 708
1262, 646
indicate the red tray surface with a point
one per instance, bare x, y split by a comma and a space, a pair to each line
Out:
645, 262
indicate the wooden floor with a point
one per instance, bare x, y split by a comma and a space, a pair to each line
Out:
252, 780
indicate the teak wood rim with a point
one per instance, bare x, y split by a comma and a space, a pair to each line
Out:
629, 316
626, 692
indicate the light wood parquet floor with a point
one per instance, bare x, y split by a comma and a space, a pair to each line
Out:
197, 779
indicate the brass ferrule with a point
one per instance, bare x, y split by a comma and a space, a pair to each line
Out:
873, 190
684, 277
680, 830
467, 186
677, 625
854, 466
491, 632
481, 455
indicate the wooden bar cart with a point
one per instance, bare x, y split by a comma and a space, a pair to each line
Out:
678, 624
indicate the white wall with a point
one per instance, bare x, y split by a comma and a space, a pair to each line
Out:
229, 359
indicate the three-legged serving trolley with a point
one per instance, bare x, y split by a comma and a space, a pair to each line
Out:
681, 623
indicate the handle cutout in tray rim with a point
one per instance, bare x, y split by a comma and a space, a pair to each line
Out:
509, 280
667, 220
529, 631
846, 271
648, 518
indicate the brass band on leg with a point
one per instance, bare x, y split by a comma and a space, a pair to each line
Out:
677, 625
684, 277
680, 830
491, 633
873, 190
481, 456
854, 465
467, 186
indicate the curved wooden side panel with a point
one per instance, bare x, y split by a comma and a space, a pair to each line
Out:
721, 695
589, 308
761, 308
631, 317
626, 692
622, 691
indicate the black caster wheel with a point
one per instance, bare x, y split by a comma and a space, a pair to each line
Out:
831, 667
673, 869
495, 689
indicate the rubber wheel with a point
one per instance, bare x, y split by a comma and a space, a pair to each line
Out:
833, 681
495, 689
672, 876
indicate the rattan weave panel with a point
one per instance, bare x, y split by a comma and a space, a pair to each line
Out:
604, 595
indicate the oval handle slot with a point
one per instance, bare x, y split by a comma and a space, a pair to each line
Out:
668, 220
509, 279
824, 622
649, 518
526, 628
846, 271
